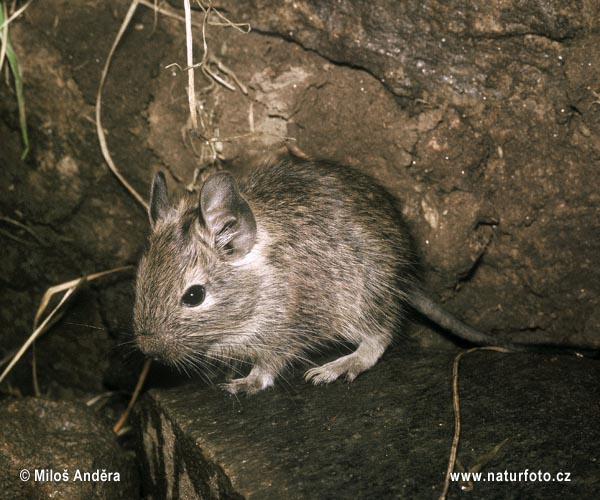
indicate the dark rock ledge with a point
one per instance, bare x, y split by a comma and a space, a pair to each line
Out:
387, 435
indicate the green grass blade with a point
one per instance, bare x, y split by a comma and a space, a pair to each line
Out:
16, 71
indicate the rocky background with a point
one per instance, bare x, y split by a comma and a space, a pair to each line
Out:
482, 117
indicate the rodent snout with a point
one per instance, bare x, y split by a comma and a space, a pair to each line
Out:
158, 347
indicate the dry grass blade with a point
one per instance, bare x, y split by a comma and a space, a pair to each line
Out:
16, 14
231, 74
211, 74
134, 396
70, 284
485, 459
166, 11
3, 36
99, 129
456, 407
7, 357
241, 27
190, 61
22, 226
15, 238
71, 288
40, 329
44, 303
16, 72
104, 396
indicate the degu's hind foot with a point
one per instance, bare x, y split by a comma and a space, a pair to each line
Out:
351, 365
257, 380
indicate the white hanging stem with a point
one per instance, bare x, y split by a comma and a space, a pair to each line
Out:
190, 63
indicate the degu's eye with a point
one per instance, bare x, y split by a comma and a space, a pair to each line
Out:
193, 296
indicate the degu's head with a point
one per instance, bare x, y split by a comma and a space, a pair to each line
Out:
191, 279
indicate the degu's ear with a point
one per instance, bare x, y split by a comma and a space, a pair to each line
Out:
227, 215
159, 200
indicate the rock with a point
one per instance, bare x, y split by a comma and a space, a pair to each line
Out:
50, 438
386, 435
450, 51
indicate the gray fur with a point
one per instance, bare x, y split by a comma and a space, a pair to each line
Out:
325, 258
301, 255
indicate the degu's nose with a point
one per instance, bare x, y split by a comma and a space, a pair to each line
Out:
152, 345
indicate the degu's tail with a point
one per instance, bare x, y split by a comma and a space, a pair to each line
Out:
447, 321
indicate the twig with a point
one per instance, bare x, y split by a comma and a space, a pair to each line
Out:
23, 227
70, 284
206, 70
155, 17
99, 129
15, 238
134, 396
190, 61
166, 12
6, 358
16, 14
40, 329
99, 397
206, 60
71, 287
4, 36
241, 27
249, 135
36, 385
229, 72
456, 407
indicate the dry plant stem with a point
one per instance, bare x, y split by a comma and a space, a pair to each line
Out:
44, 303
231, 74
241, 27
95, 399
204, 62
249, 135
4, 37
168, 12
155, 19
14, 16
36, 385
206, 70
134, 396
15, 238
40, 329
18, 81
99, 129
7, 357
23, 227
456, 407
70, 286
190, 62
